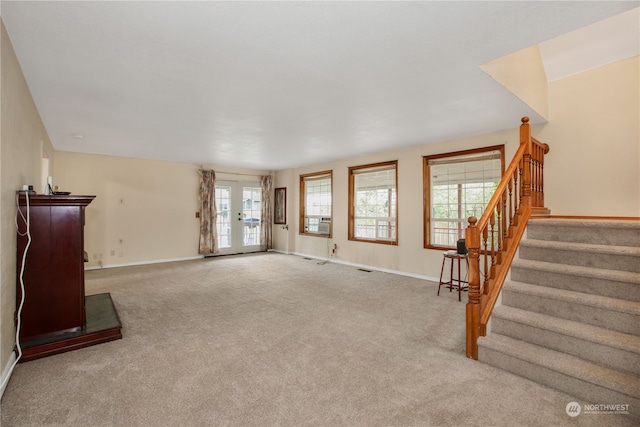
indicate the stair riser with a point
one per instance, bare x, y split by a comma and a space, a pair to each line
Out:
594, 235
614, 320
617, 262
601, 354
591, 393
569, 282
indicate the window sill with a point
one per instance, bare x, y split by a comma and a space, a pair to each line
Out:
327, 236
440, 248
380, 242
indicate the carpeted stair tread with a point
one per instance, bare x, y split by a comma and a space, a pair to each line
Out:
613, 304
579, 330
591, 231
563, 363
577, 222
582, 247
575, 270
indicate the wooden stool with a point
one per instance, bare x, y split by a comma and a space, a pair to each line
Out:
453, 283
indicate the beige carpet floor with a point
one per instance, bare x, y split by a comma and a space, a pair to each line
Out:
273, 339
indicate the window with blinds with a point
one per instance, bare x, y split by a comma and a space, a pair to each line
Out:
457, 186
373, 206
316, 203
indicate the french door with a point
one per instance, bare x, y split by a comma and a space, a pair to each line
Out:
239, 216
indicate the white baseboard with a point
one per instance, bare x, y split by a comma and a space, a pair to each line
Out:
156, 261
280, 252
369, 267
6, 373
336, 260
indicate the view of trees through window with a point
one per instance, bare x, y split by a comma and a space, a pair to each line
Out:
459, 185
374, 203
453, 204
375, 214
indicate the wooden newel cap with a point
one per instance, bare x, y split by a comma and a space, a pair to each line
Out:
525, 120
472, 235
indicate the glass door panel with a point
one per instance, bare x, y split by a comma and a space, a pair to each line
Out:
223, 223
251, 215
239, 216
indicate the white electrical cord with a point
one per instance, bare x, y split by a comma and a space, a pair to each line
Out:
27, 222
329, 255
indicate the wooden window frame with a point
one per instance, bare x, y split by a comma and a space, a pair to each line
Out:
352, 201
426, 185
302, 204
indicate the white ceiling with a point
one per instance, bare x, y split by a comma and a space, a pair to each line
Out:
273, 85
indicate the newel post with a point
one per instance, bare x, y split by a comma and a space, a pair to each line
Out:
472, 236
525, 183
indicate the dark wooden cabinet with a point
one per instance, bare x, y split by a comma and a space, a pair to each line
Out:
54, 268
54, 317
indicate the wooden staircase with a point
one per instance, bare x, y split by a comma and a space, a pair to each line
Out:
570, 316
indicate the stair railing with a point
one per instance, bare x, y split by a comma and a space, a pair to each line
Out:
493, 239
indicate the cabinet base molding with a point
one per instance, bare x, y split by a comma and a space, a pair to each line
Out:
103, 325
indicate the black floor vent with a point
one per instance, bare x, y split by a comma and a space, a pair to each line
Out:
306, 258
366, 271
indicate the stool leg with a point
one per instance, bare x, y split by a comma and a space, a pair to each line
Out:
441, 271
451, 277
459, 283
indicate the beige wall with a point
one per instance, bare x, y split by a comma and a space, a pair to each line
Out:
149, 205
523, 74
408, 256
592, 169
22, 136
283, 238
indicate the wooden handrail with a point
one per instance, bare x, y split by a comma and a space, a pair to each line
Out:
493, 239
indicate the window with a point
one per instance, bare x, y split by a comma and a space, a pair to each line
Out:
373, 203
315, 203
456, 186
